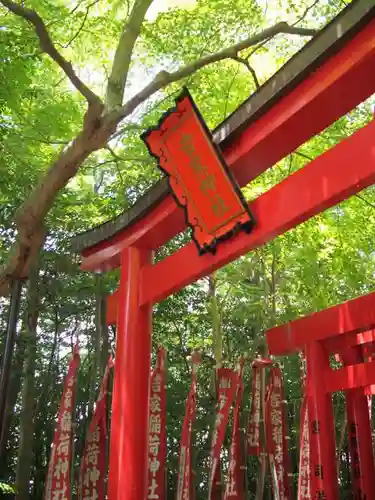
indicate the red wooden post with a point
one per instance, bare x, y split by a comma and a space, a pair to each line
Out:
321, 426
130, 406
360, 439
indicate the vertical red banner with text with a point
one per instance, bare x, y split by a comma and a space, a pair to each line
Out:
157, 438
276, 432
304, 482
184, 481
253, 432
58, 475
92, 472
227, 382
236, 471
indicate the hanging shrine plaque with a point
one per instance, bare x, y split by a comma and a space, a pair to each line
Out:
199, 179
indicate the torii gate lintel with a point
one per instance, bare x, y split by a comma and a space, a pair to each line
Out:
328, 78
346, 329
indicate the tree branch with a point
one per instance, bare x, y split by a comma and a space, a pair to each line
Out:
364, 200
228, 94
164, 78
238, 47
123, 55
43, 141
303, 155
136, 159
307, 10
97, 128
246, 63
48, 47
82, 24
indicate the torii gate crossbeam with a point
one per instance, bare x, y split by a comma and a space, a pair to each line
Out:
342, 329
331, 86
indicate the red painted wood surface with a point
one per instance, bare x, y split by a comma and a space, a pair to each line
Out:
349, 377
197, 175
353, 316
341, 343
323, 183
335, 88
130, 405
370, 390
359, 434
112, 303
324, 483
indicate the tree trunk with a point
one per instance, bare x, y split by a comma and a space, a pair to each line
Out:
14, 389
102, 345
6, 362
25, 450
45, 414
100, 335
217, 336
344, 425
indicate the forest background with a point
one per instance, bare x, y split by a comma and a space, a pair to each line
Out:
114, 47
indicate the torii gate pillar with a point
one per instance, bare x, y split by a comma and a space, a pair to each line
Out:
130, 406
320, 84
322, 428
343, 330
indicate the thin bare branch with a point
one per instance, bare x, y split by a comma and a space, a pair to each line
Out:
48, 47
136, 159
123, 55
76, 8
127, 128
246, 63
98, 184
228, 93
303, 155
42, 140
364, 200
238, 47
259, 46
307, 10
135, 126
164, 78
82, 24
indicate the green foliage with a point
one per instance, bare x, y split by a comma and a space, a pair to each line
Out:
6, 489
324, 261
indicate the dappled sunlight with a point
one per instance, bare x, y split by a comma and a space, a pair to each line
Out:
188, 360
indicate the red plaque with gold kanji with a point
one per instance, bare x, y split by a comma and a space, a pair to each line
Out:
199, 179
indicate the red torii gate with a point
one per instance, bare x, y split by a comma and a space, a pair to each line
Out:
330, 76
343, 329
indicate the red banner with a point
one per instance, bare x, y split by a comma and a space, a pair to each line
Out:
235, 482
227, 388
304, 482
184, 481
253, 432
277, 446
92, 472
157, 439
58, 475
369, 402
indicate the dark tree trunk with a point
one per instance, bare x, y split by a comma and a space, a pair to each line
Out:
27, 419
12, 396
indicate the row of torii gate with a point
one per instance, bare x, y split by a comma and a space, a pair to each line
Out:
329, 77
